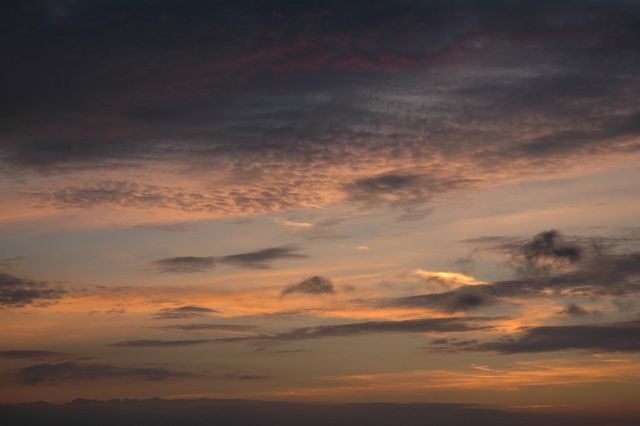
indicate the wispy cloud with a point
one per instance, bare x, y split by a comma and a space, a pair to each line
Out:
184, 312
73, 371
429, 325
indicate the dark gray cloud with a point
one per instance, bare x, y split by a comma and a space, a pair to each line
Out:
262, 259
18, 292
181, 312
549, 247
612, 337
30, 354
312, 285
73, 371
186, 264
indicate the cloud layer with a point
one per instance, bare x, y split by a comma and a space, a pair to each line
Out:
260, 259
381, 104
18, 292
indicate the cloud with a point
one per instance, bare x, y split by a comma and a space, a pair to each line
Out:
292, 223
29, 354
181, 312
211, 327
463, 299
327, 103
394, 189
397, 190
19, 292
612, 337
575, 310
445, 279
73, 371
122, 193
547, 265
151, 343
312, 285
428, 325
485, 377
546, 252
186, 264
262, 259
237, 375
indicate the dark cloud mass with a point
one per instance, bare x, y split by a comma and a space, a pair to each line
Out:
18, 292
613, 337
311, 285
605, 337
184, 312
413, 98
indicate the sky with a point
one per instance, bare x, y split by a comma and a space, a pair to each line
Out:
322, 202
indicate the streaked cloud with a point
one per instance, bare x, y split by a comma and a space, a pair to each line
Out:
262, 259
30, 354
73, 371
184, 312
186, 264
612, 337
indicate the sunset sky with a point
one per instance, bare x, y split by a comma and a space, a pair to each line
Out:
322, 201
